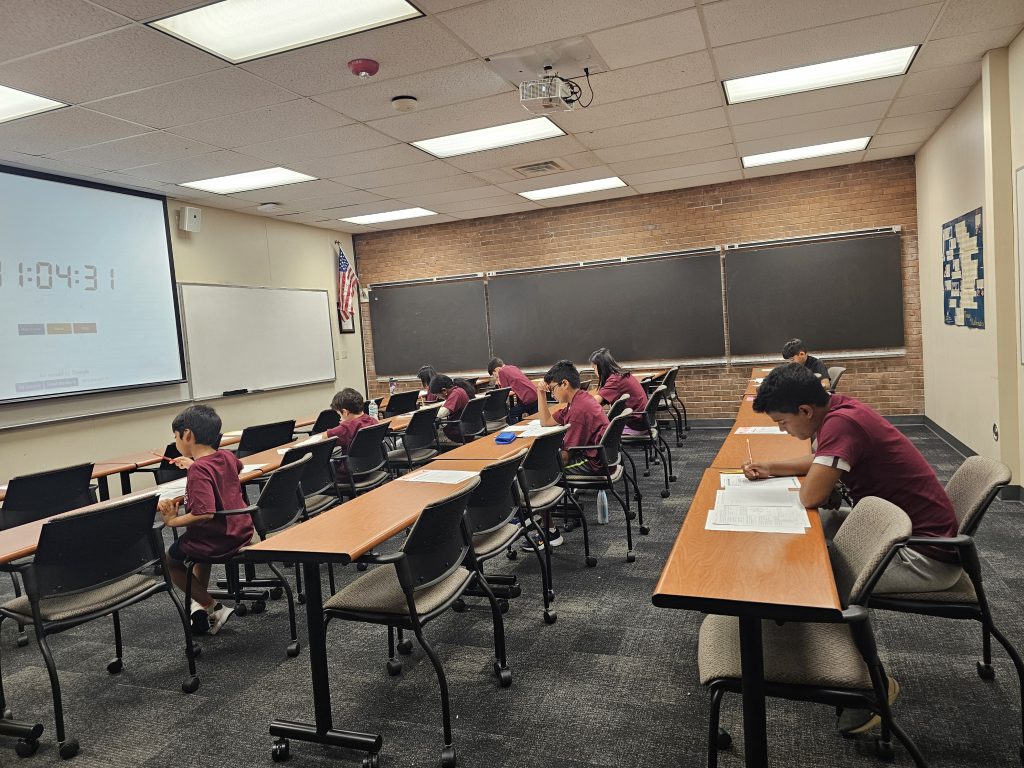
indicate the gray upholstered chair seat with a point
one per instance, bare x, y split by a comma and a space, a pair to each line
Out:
82, 603
644, 438
321, 501
545, 497
486, 543
594, 479
496, 425
821, 655
961, 592
417, 454
378, 591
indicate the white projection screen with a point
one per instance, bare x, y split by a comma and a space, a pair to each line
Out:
87, 298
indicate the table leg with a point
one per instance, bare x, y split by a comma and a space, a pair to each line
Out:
104, 488
126, 483
755, 739
323, 731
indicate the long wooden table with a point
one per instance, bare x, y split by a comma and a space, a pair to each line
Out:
753, 576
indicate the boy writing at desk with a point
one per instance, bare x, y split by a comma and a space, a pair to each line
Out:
211, 486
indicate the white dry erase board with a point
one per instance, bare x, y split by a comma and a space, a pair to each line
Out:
240, 338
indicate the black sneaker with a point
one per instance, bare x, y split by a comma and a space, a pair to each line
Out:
200, 622
555, 537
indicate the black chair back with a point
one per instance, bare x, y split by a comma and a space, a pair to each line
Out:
420, 432
33, 497
166, 472
611, 440
402, 402
87, 550
280, 503
325, 420
263, 437
618, 406
542, 467
496, 404
670, 383
471, 422
651, 410
496, 500
366, 453
318, 474
438, 543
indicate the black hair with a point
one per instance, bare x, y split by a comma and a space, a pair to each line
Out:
563, 369
606, 365
496, 362
202, 420
439, 382
349, 399
466, 385
425, 374
788, 387
792, 348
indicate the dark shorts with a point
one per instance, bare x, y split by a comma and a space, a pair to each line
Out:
174, 551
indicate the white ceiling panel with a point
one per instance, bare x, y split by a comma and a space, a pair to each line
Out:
124, 60
962, 49
412, 223
806, 138
27, 26
521, 207
400, 49
898, 139
434, 169
462, 206
473, 195
294, 193
496, 26
214, 94
677, 159
446, 184
62, 129
962, 17
589, 197
219, 163
290, 118
436, 88
840, 96
63, 168
636, 180
149, 148
520, 154
928, 102
147, 10
646, 79
327, 202
803, 165
884, 153
934, 80
559, 179
333, 141
914, 122
836, 41
693, 99
467, 116
391, 156
650, 40
439, 6
687, 182
830, 118
675, 144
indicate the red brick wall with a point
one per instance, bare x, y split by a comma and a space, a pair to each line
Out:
863, 195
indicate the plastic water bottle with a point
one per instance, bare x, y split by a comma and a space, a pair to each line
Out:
602, 507
392, 385
373, 409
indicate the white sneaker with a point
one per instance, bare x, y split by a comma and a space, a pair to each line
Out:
219, 617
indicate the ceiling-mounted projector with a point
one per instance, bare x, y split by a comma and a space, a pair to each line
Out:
548, 94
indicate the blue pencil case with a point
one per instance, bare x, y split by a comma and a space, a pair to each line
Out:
504, 438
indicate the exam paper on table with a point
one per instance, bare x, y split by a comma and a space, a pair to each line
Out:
446, 476
755, 520
308, 441
516, 428
538, 431
172, 490
759, 431
758, 381
246, 468
727, 479
759, 495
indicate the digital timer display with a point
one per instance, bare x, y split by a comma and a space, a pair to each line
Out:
45, 276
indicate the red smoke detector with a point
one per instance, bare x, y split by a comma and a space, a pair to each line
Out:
363, 67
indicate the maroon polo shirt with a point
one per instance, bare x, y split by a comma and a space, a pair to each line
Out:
522, 387
212, 486
345, 432
455, 403
619, 384
587, 422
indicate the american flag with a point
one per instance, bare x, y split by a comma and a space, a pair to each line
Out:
347, 282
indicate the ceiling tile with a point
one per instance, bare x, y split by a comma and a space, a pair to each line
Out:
488, 203
212, 165
466, 116
146, 149
903, 138
355, 197
520, 154
962, 48
694, 99
675, 174
439, 6
830, 118
914, 122
27, 26
64, 129
35, 163
346, 138
401, 49
962, 17
675, 125
293, 193
687, 182
413, 223
436, 88
277, 121
497, 26
934, 80
588, 197
646, 79
803, 165
782, 107
836, 41
806, 138
559, 179
677, 159
480, 194
124, 60
734, 21
521, 207
928, 102
884, 153
147, 10
221, 92
363, 209
434, 169
650, 40
446, 184
691, 141
391, 156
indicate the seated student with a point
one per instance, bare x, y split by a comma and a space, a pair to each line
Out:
349, 405
425, 374
794, 351
856, 445
456, 394
613, 383
510, 376
211, 486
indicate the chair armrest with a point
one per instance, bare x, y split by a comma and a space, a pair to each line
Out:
250, 510
960, 540
372, 558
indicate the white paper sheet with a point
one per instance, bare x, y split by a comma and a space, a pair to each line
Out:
758, 381
246, 468
233, 433
515, 428
727, 479
757, 508
759, 431
759, 520
3, 487
172, 490
445, 476
538, 431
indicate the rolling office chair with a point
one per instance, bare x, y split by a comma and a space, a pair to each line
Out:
835, 373
401, 402
327, 419
496, 409
263, 437
419, 443
471, 420
652, 441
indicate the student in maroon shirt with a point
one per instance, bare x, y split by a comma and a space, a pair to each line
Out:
349, 404
456, 394
211, 486
425, 374
613, 383
524, 389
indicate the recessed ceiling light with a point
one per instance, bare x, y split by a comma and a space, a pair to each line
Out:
243, 182
377, 218
15, 104
496, 136
802, 153
574, 189
871, 66
243, 30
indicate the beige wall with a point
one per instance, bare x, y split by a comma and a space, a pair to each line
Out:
231, 249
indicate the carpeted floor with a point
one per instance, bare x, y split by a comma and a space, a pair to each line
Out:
612, 683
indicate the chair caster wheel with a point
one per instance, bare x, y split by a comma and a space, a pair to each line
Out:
985, 671
569, 525
511, 554
644, 530
26, 747
279, 752
631, 556
276, 593
361, 566
883, 749
671, 478
665, 493
550, 617
115, 666
405, 647
724, 740
22, 640
67, 749
504, 675
394, 667
371, 761
301, 598
647, 473
258, 606
7, 714
551, 595
631, 515
503, 605
448, 757
241, 609
514, 591
591, 561
459, 606
197, 650
191, 685
293, 649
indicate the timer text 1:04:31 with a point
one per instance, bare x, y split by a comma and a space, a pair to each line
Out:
45, 276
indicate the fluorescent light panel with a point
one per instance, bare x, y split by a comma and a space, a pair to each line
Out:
496, 136
243, 30
15, 104
574, 189
802, 153
243, 182
377, 218
857, 69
